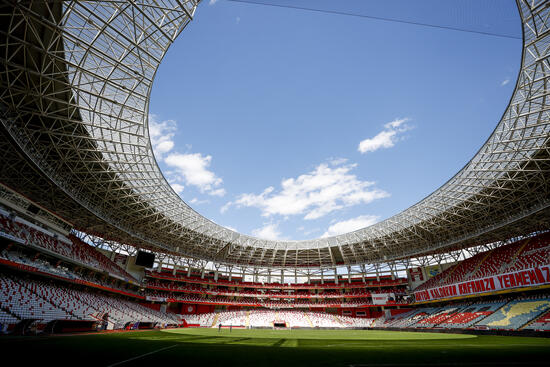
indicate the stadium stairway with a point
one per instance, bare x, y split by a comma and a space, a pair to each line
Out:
514, 258
338, 320
444, 277
37, 289
215, 322
308, 319
438, 317
478, 265
9, 312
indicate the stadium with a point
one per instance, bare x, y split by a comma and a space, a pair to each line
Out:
102, 262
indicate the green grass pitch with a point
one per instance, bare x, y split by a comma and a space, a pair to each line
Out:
286, 348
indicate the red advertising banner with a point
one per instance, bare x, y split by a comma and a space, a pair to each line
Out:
523, 278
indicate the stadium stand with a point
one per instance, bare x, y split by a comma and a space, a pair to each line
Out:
510, 314
258, 305
540, 324
271, 318
184, 288
516, 314
470, 314
72, 248
45, 301
520, 255
75, 268
271, 293
382, 283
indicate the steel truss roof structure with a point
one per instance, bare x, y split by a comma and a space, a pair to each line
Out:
75, 81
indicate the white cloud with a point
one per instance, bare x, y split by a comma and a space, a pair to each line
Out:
226, 207
504, 82
217, 192
387, 137
189, 168
309, 231
177, 187
269, 231
314, 194
395, 123
238, 20
350, 225
161, 134
384, 139
337, 161
212, 2
192, 168
196, 201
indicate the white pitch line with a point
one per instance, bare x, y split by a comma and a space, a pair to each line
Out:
142, 355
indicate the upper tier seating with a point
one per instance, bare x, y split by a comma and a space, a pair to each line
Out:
58, 270
74, 248
264, 294
385, 283
516, 256
263, 302
535, 253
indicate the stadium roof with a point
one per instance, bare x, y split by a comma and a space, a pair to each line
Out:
75, 83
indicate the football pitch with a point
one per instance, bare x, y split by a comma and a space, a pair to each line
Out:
286, 348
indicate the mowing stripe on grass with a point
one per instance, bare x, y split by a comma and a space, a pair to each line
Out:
141, 356
450, 364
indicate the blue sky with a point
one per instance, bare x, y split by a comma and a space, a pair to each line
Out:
288, 124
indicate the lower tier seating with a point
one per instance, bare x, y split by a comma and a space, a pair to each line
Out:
540, 324
267, 318
471, 314
44, 301
515, 314
512, 314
